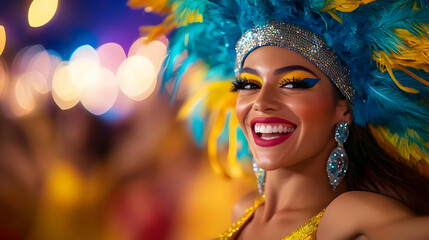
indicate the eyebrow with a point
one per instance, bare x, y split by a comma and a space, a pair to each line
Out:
279, 71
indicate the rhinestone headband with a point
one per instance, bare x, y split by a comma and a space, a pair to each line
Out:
307, 43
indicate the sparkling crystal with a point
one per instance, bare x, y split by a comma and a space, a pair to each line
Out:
341, 132
337, 166
303, 41
255, 168
260, 176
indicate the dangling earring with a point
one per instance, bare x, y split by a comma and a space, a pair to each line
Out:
336, 167
260, 176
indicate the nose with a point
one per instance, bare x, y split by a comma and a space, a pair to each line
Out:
267, 99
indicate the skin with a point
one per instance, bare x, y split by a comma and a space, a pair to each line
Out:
297, 186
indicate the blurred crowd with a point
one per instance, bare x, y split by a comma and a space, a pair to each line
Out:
68, 174
89, 148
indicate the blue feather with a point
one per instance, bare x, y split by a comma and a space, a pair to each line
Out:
397, 110
370, 27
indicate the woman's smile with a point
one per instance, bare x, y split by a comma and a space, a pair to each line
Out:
271, 131
286, 107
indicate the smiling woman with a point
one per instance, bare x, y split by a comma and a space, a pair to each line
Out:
309, 113
332, 100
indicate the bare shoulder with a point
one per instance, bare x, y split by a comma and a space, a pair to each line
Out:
244, 203
415, 228
356, 213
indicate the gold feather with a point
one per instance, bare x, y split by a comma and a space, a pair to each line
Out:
343, 6
414, 54
409, 151
220, 103
400, 149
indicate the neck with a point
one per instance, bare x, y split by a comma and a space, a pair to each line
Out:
304, 187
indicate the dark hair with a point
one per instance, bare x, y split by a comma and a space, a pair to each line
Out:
373, 169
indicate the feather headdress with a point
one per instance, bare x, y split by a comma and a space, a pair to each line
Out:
384, 44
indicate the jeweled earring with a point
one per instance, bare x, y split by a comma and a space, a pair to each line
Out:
336, 167
260, 177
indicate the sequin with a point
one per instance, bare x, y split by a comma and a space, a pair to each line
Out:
232, 232
307, 43
306, 232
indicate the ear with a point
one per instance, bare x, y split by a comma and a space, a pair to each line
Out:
344, 111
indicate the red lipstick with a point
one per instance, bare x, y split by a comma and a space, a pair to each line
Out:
274, 141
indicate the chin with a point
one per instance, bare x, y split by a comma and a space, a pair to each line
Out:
268, 163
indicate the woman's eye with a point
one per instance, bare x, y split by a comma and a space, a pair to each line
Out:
297, 83
244, 84
249, 86
290, 85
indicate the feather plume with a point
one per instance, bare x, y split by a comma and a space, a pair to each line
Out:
343, 6
384, 43
410, 146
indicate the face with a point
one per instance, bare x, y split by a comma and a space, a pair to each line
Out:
287, 108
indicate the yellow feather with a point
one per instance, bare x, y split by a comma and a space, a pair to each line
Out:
343, 6
220, 95
219, 102
159, 6
219, 121
153, 32
197, 88
188, 17
409, 151
170, 22
414, 53
233, 165
412, 74
218, 99
385, 139
334, 15
385, 64
187, 108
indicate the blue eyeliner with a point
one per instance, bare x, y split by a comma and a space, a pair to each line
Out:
298, 83
310, 82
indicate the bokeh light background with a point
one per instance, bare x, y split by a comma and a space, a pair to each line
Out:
89, 149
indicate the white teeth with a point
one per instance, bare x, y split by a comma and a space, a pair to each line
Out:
269, 138
260, 128
275, 129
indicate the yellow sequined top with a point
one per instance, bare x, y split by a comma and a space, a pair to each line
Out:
305, 232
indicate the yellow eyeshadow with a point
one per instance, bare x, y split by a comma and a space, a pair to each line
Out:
252, 78
297, 75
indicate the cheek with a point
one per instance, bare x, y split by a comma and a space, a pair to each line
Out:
316, 114
317, 108
242, 108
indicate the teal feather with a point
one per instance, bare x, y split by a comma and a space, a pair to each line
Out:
396, 110
382, 35
370, 27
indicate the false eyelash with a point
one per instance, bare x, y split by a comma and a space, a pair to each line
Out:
240, 84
